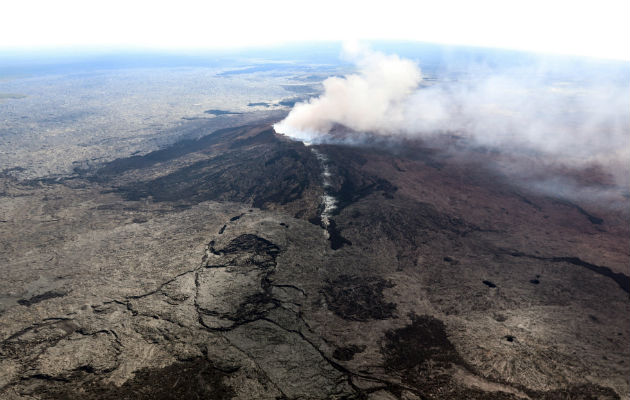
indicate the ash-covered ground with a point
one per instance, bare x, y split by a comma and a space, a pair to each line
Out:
212, 265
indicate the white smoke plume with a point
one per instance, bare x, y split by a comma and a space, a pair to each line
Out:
523, 110
370, 100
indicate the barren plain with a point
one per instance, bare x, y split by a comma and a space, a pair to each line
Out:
201, 267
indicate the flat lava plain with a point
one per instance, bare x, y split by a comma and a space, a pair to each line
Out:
203, 270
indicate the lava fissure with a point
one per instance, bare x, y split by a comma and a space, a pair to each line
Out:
329, 202
329, 205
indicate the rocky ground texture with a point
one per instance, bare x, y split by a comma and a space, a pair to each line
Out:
204, 270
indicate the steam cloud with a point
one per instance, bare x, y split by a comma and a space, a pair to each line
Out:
371, 100
579, 120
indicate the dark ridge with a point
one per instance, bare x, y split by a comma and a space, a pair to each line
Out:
527, 201
621, 279
358, 298
347, 353
593, 219
222, 229
236, 218
193, 379
350, 183
221, 112
293, 192
409, 149
242, 175
265, 136
139, 220
177, 150
489, 284
352, 191
290, 153
40, 297
534, 281
334, 237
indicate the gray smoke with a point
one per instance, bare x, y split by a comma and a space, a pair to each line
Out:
577, 121
373, 99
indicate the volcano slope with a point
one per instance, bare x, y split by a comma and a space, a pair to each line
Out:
205, 270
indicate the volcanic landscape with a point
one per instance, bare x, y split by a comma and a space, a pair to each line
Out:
213, 268
285, 225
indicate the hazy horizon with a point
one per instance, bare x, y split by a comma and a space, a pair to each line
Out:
582, 28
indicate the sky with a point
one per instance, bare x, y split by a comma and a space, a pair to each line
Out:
595, 28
